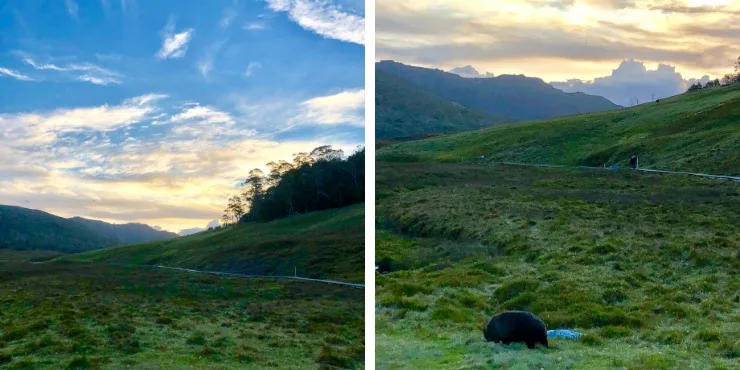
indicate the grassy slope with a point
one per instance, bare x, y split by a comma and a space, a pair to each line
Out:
328, 244
518, 97
403, 110
646, 265
692, 132
57, 316
27, 229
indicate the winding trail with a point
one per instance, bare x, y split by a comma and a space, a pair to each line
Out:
705, 175
353, 285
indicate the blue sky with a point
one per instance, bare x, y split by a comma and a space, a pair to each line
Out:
150, 111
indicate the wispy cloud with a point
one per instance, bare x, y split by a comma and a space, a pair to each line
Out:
175, 45
323, 18
72, 8
228, 18
252, 67
346, 107
15, 74
254, 26
89, 72
41, 128
99, 80
205, 64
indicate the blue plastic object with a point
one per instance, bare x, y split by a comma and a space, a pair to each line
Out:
563, 333
613, 167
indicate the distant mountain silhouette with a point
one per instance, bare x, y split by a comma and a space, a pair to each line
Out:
29, 229
518, 97
403, 109
195, 230
132, 233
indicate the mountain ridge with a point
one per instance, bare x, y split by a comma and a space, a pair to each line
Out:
515, 96
31, 229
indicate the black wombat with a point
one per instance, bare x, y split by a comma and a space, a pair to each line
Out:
516, 326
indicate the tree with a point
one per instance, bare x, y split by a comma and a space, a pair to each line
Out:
695, 87
727, 79
315, 181
737, 66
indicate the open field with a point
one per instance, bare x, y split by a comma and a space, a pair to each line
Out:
648, 266
322, 245
691, 132
90, 316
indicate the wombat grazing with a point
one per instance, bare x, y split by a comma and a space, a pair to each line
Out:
516, 326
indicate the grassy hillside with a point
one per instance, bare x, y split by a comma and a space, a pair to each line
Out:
691, 132
327, 244
126, 233
74, 316
28, 229
403, 109
517, 97
645, 265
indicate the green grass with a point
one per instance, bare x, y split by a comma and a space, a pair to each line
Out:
645, 265
691, 132
92, 316
327, 244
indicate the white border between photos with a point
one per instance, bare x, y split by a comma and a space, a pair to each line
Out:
370, 184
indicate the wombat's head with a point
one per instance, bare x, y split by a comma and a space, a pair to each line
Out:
490, 332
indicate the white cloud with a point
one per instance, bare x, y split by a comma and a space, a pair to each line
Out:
632, 83
470, 72
228, 18
72, 8
14, 74
346, 107
175, 45
254, 26
252, 67
323, 18
203, 113
41, 128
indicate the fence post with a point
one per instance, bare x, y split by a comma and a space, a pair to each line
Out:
295, 271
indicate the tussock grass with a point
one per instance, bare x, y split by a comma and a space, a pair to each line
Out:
645, 265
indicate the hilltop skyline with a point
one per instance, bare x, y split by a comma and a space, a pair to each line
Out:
153, 112
602, 47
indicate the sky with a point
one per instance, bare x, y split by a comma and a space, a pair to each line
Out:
155, 111
621, 49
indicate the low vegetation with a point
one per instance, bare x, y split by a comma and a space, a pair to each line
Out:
76, 316
644, 265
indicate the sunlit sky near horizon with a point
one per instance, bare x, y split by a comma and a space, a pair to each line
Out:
153, 111
664, 42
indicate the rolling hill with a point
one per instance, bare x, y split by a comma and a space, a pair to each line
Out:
326, 244
516, 97
405, 110
27, 229
130, 233
696, 131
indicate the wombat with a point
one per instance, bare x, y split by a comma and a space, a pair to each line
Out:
516, 326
